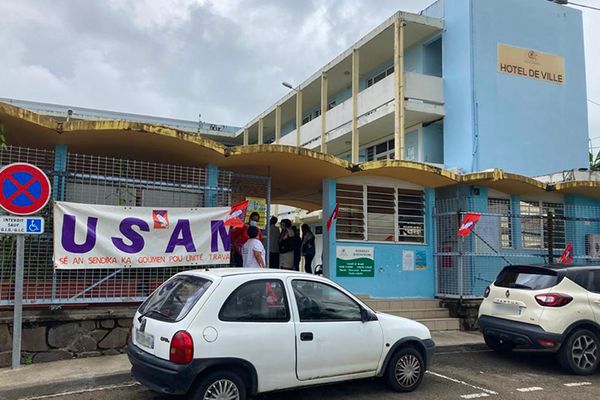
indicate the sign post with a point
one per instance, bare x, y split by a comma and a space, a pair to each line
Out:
24, 190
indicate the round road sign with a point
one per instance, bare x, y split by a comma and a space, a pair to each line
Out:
24, 189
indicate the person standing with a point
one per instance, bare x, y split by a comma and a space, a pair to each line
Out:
239, 237
253, 251
273, 243
286, 245
308, 247
297, 248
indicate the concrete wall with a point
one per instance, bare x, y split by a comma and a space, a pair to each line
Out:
522, 125
389, 280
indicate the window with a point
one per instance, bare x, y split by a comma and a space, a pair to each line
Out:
350, 222
306, 119
534, 224
411, 216
595, 282
501, 207
528, 279
318, 302
175, 298
381, 151
380, 76
378, 213
331, 104
317, 113
257, 301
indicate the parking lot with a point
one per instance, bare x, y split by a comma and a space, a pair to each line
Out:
455, 375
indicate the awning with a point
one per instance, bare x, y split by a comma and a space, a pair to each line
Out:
505, 182
418, 173
582, 188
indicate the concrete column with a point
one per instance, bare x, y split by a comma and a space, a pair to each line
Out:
355, 134
60, 167
277, 124
399, 111
324, 112
212, 183
246, 137
261, 131
329, 237
298, 116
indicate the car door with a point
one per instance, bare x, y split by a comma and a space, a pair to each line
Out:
331, 338
594, 294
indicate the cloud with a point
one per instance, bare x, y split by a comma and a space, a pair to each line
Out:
223, 59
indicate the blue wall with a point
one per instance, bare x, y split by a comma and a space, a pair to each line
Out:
498, 120
389, 280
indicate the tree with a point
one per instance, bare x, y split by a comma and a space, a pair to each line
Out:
595, 161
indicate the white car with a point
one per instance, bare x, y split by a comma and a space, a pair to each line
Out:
554, 308
229, 333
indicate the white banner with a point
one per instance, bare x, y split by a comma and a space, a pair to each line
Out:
96, 236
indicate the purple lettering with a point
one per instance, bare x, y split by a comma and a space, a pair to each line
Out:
68, 235
181, 229
217, 228
137, 241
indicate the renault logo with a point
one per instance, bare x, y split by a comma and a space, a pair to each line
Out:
507, 293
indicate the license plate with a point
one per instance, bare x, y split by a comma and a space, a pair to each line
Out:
144, 339
507, 309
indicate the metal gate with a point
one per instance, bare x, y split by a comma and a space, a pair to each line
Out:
537, 234
110, 181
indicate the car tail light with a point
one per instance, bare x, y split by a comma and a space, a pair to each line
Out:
182, 348
553, 299
486, 293
546, 343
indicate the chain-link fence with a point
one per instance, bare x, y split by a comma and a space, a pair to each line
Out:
109, 181
538, 233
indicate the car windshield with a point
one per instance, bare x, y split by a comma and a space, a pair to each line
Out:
527, 279
174, 299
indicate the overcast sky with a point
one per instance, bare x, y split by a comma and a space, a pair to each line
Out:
224, 59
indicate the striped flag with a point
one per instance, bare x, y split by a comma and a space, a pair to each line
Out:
333, 216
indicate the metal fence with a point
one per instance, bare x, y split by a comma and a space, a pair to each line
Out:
537, 234
109, 181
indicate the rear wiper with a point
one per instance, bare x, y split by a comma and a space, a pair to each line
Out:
162, 314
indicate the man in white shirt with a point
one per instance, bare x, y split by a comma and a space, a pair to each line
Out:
253, 251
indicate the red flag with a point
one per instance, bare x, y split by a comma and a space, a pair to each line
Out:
237, 215
333, 216
468, 223
567, 255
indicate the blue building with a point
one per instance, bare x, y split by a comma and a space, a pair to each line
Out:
469, 106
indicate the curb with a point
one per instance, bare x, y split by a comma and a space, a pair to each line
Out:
58, 387
461, 347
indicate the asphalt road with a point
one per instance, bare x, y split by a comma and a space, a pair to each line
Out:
463, 375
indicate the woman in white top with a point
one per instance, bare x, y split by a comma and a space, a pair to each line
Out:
253, 251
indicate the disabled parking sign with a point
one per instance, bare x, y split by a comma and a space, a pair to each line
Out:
24, 189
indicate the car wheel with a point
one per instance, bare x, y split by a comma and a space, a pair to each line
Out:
499, 346
221, 385
580, 353
405, 370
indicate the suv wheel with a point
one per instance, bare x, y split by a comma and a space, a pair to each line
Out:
405, 370
498, 345
221, 385
580, 353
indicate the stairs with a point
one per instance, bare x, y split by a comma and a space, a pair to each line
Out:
426, 311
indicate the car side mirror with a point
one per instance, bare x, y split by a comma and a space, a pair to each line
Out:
366, 315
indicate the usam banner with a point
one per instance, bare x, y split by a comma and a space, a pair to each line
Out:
96, 236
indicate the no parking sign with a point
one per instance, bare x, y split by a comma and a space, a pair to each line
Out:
24, 190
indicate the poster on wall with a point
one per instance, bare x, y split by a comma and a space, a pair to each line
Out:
420, 260
408, 260
88, 236
355, 261
259, 205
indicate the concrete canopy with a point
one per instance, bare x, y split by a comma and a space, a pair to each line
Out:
415, 172
505, 182
582, 188
296, 174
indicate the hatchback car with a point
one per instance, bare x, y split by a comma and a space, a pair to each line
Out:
555, 308
228, 333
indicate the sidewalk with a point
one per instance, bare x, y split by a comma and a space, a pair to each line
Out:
86, 373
